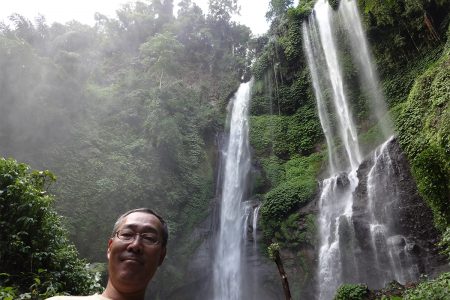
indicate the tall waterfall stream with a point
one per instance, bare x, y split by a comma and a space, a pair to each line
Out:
380, 254
237, 213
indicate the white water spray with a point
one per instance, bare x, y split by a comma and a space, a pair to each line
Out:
228, 256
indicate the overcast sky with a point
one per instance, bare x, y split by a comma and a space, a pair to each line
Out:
252, 11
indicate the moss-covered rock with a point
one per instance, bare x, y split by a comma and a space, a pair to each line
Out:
294, 186
285, 136
424, 133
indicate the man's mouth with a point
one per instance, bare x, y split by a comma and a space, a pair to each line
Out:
131, 258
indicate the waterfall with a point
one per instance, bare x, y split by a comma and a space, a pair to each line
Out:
229, 245
347, 130
335, 216
392, 258
313, 54
255, 224
359, 242
349, 14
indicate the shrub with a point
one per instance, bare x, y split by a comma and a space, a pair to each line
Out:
445, 243
297, 189
287, 196
285, 136
431, 167
437, 289
37, 259
273, 170
351, 292
298, 230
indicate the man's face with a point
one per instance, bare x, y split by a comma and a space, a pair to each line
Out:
132, 264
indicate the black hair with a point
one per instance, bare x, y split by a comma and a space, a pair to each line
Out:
165, 233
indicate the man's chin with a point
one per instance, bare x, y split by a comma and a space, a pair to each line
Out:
132, 277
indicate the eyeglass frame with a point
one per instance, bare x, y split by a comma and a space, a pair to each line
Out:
141, 235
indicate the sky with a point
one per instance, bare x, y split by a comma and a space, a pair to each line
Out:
252, 11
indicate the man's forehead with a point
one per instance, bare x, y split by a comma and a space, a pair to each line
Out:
142, 220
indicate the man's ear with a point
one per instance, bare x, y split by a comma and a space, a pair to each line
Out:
162, 256
108, 252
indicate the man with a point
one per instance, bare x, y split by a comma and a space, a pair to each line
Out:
136, 249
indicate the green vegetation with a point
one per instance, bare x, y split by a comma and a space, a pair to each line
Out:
285, 136
296, 186
445, 242
400, 31
38, 261
351, 292
285, 128
437, 289
424, 133
297, 231
272, 249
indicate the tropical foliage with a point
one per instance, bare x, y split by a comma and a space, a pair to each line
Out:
435, 289
37, 259
351, 292
424, 131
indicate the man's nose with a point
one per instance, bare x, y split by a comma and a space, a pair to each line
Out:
135, 244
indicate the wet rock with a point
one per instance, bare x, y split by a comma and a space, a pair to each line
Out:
408, 220
397, 241
413, 248
342, 180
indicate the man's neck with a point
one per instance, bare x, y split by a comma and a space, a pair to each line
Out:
112, 293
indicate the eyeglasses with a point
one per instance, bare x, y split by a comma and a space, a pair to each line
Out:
129, 236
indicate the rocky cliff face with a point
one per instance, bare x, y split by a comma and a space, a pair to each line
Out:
410, 226
409, 230
406, 244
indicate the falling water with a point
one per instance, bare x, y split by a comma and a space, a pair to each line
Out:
229, 249
314, 54
347, 130
336, 197
255, 224
348, 11
342, 254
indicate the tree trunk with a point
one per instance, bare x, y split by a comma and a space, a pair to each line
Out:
429, 25
284, 280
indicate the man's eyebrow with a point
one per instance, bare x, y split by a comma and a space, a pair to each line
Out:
145, 228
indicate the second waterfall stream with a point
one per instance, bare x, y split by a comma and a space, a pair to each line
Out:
360, 242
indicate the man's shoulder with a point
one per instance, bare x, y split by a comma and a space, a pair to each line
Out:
91, 297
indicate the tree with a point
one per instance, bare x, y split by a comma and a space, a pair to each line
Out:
162, 52
222, 10
278, 8
35, 254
